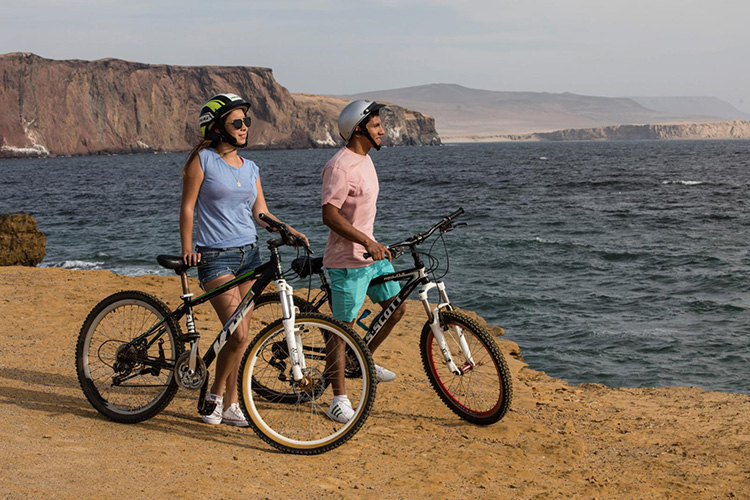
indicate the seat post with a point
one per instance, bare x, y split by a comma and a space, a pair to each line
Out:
185, 285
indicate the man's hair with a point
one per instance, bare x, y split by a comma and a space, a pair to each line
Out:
363, 124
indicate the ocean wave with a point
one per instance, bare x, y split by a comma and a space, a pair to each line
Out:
76, 264
684, 183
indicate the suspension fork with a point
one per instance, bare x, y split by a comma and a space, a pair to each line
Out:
293, 336
433, 315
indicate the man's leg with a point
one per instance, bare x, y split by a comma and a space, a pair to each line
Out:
348, 290
384, 294
388, 326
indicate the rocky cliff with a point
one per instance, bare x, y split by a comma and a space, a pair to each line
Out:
114, 106
713, 130
21, 243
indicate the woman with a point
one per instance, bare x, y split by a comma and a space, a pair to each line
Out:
226, 192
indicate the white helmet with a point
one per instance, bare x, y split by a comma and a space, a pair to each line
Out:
354, 114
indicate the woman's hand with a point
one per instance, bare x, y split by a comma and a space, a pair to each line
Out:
191, 258
299, 235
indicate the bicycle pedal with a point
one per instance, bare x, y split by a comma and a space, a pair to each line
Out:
207, 408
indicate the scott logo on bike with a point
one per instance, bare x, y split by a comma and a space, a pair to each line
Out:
387, 313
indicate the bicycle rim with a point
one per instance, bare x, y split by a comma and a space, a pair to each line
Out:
302, 426
483, 393
115, 374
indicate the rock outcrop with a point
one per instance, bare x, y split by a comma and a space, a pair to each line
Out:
735, 129
77, 107
21, 243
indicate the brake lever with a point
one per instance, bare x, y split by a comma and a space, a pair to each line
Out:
450, 227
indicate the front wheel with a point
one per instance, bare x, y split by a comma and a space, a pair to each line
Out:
125, 356
482, 392
301, 426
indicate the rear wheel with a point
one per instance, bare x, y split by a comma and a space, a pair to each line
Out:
301, 426
125, 356
483, 391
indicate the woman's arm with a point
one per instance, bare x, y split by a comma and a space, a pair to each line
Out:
191, 185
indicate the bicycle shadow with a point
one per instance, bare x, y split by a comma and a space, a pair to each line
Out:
33, 397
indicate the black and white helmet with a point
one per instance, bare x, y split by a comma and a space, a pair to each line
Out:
214, 110
354, 114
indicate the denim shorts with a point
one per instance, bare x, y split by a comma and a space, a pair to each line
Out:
236, 261
349, 287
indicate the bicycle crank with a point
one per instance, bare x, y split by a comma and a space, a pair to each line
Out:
187, 378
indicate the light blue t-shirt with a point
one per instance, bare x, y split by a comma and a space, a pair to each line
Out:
225, 209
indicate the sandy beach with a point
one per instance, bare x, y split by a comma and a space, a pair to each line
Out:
558, 441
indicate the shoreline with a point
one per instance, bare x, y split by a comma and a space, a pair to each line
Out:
558, 439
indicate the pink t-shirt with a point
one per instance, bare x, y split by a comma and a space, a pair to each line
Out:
350, 184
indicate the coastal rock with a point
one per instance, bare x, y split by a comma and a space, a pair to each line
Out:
735, 129
21, 243
75, 107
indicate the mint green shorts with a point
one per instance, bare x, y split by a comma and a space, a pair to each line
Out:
349, 287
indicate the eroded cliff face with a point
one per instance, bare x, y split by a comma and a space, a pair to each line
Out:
112, 106
735, 129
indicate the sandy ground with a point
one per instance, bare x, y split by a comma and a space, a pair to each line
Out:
558, 440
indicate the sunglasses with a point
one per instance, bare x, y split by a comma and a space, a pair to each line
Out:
238, 122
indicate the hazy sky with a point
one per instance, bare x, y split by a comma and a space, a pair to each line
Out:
606, 48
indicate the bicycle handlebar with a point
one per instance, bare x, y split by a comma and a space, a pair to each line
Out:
445, 225
287, 238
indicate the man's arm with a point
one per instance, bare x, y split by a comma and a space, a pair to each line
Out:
338, 224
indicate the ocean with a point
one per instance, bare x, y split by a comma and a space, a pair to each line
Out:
621, 263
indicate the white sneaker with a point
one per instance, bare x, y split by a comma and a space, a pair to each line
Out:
215, 417
383, 374
234, 416
340, 411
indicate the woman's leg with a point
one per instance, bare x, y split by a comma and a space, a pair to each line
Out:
228, 361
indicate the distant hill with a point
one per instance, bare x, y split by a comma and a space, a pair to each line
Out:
463, 113
699, 105
735, 129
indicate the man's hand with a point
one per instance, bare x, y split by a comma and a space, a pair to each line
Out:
377, 251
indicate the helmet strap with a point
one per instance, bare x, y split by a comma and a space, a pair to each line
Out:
362, 130
226, 136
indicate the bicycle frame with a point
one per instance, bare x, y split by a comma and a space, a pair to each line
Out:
263, 276
417, 276
414, 277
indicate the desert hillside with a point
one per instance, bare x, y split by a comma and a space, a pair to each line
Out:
558, 440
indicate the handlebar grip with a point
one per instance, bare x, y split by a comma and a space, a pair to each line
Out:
456, 214
271, 223
366, 255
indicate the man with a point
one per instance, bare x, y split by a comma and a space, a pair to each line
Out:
349, 199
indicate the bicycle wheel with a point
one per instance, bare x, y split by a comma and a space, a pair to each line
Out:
279, 388
483, 392
126, 375
302, 427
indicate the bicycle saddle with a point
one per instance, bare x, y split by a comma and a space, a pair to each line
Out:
305, 266
173, 262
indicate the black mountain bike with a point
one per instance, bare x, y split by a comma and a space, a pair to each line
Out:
131, 358
461, 359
